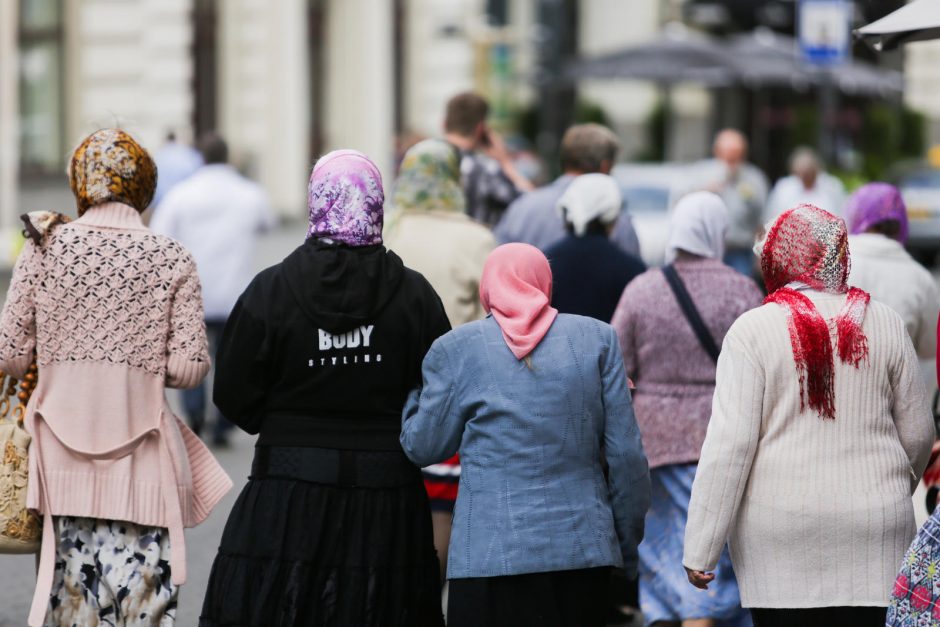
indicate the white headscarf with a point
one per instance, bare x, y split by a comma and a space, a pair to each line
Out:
698, 225
589, 197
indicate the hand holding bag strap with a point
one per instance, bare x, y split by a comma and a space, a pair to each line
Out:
691, 312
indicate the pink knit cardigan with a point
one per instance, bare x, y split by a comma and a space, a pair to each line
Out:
114, 313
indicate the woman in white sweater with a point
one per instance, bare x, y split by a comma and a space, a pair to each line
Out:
877, 221
819, 432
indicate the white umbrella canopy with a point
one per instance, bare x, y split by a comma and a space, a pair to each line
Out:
916, 21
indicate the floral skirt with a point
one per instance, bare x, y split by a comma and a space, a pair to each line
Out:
665, 591
915, 600
111, 574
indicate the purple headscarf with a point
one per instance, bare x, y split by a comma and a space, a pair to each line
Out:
345, 199
874, 203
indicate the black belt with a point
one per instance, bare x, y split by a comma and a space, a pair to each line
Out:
355, 433
344, 468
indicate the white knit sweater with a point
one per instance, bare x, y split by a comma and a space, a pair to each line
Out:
817, 512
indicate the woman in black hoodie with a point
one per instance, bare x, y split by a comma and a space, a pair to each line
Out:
318, 356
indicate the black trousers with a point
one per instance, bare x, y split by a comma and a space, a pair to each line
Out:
820, 617
567, 598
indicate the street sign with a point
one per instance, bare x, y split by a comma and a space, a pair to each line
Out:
824, 31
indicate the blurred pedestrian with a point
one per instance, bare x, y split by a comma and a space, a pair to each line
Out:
531, 398
112, 315
670, 343
431, 231
489, 177
533, 217
175, 161
434, 236
217, 214
333, 528
743, 187
590, 271
816, 441
877, 221
807, 183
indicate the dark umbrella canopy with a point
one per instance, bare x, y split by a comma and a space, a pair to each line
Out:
764, 58
758, 59
676, 56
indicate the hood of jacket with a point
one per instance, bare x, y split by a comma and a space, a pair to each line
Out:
341, 287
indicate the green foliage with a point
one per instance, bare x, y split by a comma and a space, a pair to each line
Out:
655, 130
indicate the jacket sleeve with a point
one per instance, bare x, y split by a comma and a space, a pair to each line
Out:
432, 419
628, 477
727, 455
925, 340
187, 348
911, 410
240, 372
18, 320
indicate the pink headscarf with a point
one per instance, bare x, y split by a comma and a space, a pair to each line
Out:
517, 289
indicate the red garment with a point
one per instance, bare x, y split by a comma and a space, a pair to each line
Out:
441, 481
809, 246
516, 287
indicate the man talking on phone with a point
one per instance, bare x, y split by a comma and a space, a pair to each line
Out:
490, 179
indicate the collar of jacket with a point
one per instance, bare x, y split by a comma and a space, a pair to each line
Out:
115, 215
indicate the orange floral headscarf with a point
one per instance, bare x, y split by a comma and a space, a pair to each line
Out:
109, 166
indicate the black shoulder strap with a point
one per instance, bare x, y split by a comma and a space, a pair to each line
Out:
691, 312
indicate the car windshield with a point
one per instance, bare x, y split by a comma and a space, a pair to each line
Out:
922, 179
645, 199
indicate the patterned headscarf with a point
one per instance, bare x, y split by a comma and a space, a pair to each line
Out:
808, 246
346, 199
429, 179
875, 203
109, 166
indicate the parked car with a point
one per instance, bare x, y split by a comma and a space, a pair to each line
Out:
920, 188
650, 191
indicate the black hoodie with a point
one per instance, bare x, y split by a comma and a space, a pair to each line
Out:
323, 348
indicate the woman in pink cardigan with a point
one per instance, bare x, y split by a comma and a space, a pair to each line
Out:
113, 315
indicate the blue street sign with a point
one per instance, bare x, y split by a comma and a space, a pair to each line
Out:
824, 30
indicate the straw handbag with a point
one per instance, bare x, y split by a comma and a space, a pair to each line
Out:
20, 529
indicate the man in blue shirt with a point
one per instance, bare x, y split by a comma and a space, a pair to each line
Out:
532, 219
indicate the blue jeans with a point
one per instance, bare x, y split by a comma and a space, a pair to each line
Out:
741, 259
194, 400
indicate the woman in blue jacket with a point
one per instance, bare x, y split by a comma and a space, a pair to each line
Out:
537, 404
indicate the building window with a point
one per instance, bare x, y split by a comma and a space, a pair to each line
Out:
205, 66
42, 118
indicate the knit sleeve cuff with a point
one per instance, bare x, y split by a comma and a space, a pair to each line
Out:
16, 367
185, 373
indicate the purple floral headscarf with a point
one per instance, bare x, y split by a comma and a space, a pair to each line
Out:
874, 203
345, 199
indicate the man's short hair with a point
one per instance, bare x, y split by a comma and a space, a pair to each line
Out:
586, 146
464, 113
213, 148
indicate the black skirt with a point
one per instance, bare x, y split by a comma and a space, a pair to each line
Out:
566, 598
820, 617
327, 538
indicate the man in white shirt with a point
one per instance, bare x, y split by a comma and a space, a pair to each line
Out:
217, 214
743, 187
807, 183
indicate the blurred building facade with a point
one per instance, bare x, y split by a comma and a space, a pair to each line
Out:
287, 80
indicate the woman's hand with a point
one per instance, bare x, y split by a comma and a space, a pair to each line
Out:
699, 579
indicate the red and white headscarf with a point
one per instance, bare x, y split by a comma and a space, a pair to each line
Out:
807, 246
